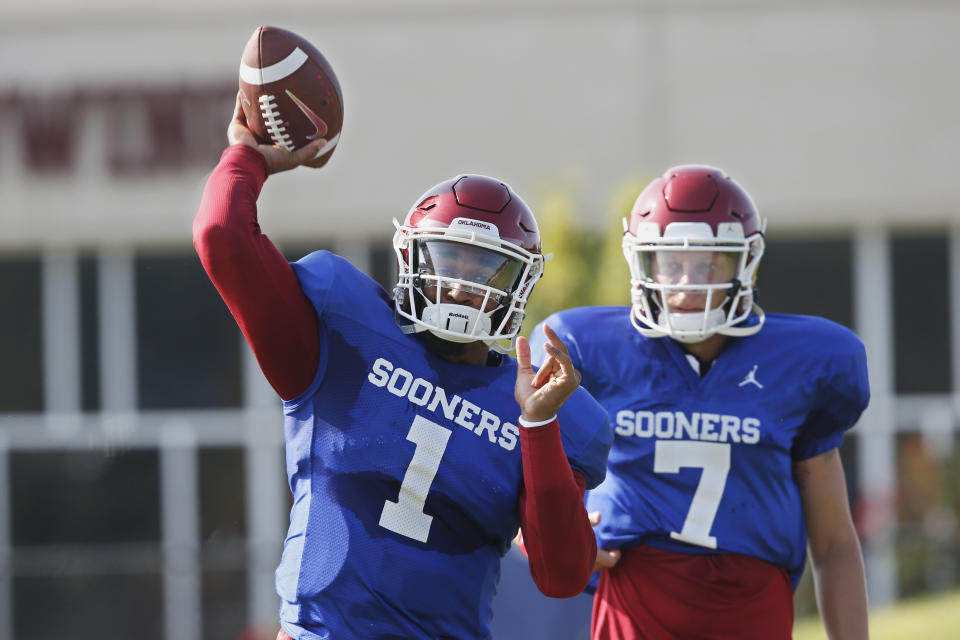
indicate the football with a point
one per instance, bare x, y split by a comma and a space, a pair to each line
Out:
289, 92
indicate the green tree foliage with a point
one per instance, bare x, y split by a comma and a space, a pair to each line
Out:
587, 267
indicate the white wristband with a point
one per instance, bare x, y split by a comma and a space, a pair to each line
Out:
527, 424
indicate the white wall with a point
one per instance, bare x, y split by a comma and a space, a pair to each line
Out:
831, 114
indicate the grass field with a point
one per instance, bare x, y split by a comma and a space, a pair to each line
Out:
928, 618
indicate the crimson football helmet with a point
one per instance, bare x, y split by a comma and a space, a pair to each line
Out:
469, 238
693, 242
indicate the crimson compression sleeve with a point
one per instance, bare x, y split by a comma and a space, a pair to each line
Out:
252, 276
559, 540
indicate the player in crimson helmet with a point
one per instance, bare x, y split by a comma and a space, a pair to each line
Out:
414, 450
689, 213
473, 236
724, 466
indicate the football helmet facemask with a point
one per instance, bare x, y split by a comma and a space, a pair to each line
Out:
693, 241
468, 255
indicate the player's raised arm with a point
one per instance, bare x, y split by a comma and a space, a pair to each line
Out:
288, 113
557, 533
251, 275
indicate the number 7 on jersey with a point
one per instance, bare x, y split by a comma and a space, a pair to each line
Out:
714, 459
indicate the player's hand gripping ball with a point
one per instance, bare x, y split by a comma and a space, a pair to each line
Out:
289, 93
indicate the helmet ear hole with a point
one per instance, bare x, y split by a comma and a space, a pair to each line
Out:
733, 289
733, 297
498, 316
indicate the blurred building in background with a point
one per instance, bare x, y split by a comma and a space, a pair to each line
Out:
141, 471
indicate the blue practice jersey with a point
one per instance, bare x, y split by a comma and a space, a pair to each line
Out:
405, 471
704, 465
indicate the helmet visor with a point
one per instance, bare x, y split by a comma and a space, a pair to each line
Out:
677, 267
469, 267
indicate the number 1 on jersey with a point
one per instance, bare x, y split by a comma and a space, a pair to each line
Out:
714, 459
406, 516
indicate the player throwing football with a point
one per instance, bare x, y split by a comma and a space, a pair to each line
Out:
724, 465
415, 446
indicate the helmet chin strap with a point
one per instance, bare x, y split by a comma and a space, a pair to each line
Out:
456, 318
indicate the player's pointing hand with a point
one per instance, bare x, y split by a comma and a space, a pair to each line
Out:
541, 393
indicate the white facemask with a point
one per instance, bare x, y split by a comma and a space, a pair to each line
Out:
696, 326
456, 322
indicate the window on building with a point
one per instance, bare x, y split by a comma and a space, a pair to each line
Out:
188, 344
221, 476
84, 497
21, 335
811, 276
89, 333
921, 313
109, 605
86, 544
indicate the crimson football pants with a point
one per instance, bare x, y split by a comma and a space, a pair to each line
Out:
658, 595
